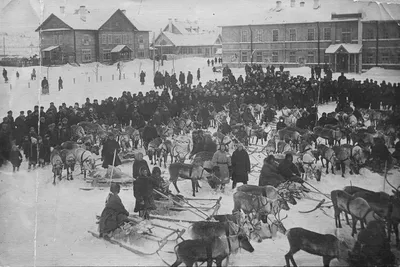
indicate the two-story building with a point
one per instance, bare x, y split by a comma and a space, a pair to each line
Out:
349, 35
85, 36
186, 39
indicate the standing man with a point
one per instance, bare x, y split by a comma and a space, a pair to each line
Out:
45, 86
142, 76
223, 161
189, 78
198, 74
240, 165
60, 84
5, 75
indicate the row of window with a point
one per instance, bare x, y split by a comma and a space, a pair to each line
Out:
259, 35
120, 39
106, 55
274, 56
383, 34
384, 57
194, 50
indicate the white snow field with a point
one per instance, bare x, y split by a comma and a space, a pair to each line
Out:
46, 225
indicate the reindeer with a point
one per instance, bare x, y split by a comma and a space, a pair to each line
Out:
328, 246
329, 155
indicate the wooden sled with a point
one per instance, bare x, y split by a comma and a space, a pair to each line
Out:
129, 243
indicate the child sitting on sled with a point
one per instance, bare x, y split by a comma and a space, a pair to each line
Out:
159, 183
114, 213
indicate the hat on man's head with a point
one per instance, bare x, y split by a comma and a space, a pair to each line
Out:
22, 112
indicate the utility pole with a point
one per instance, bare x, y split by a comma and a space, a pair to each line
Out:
4, 45
319, 38
251, 44
161, 53
154, 60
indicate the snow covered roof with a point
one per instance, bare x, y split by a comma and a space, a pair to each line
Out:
350, 48
185, 27
371, 11
93, 19
50, 48
192, 39
119, 48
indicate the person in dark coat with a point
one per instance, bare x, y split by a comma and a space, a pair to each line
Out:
137, 164
181, 78
323, 120
198, 74
288, 170
189, 78
303, 122
21, 128
142, 76
45, 86
281, 124
380, 154
15, 157
143, 192
110, 147
269, 174
240, 165
60, 84
114, 213
149, 134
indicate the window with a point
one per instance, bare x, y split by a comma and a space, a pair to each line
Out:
141, 53
60, 39
130, 39
275, 35
259, 56
103, 39
385, 57
199, 51
311, 34
125, 39
275, 56
292, 57
55, 41
244, 36
106, 54
190, 50
183, 51
385, 34
117, 39
369, 58
110, 39
86, 40
327, 34
259, 36
346, 35
310, 57
369, 34
326, 58
292, 35
86, 55
244, 56
141, 42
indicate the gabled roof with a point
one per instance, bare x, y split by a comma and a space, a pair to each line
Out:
50, 48
371, 11
184, 26
94, 19
119, 48
192, 39
350, 48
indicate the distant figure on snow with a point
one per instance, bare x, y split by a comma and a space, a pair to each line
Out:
5, 75
17, 74
45, 86
60, 84
142, 76
198, 74
33, 75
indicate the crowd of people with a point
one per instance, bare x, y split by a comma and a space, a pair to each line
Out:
40, 128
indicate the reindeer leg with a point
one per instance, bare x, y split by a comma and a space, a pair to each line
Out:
343, 166
176, 186
194, 188
354, 230
347, 218
54, 180
326, 260
289, 256
327, 167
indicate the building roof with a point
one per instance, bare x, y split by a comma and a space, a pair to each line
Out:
350, 48
192, 39
185, 27
371, 11
94, 19
119, 48
50, 48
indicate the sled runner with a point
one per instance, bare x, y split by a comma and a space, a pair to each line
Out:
139, 236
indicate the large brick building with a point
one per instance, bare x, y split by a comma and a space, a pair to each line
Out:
85, 36
186, 38
349, 35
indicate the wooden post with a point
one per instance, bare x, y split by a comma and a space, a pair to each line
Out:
112, 77
10, 86
29, 85
101, 78
124, 76
74, 80
88, 79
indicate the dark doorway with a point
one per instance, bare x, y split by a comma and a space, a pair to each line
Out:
342, 62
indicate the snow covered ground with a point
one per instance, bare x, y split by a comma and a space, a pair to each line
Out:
47, 225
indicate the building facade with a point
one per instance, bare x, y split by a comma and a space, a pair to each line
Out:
84, 37
187, 40
349, 42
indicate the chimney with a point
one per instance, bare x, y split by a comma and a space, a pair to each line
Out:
316, 4
278, 5
292, 3
124, 11
82, 12
302, 4
170, 25
62, 9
